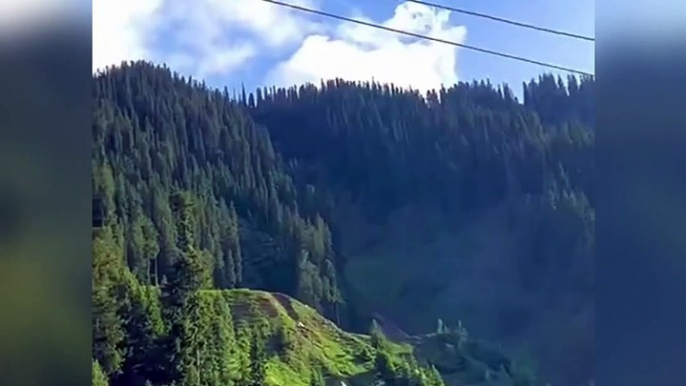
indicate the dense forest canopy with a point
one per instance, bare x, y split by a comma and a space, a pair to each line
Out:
202, 192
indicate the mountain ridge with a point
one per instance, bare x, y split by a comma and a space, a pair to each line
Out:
274, 188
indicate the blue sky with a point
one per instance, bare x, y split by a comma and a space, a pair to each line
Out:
234, 42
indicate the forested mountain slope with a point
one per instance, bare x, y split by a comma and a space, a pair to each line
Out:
156, 134
461, 204
186, 333
355, 199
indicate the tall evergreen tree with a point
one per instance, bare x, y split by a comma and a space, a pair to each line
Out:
108, 327
99, 377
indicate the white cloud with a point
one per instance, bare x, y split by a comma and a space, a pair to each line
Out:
272, 24
207, 38
215, 37
119, 30
357, 52
202, 37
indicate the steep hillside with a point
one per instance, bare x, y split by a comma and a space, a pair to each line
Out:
303, 340
475, 273
461, 204
357, 199
184, 333
158, 135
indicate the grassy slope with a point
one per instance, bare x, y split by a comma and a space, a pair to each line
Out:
315, 342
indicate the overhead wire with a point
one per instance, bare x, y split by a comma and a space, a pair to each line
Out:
430, 38
504, 20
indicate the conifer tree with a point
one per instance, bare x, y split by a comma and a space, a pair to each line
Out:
99, 377
108, 327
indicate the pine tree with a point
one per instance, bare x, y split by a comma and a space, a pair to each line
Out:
192, 356
99, 377
234, 246
180, 298
108, 329
143, 327
182, 206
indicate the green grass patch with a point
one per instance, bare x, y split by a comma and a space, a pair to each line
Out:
299, 338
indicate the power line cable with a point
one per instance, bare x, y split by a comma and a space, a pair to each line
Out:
504, 20
420, 36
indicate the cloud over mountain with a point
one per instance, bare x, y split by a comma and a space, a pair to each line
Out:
216, 38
